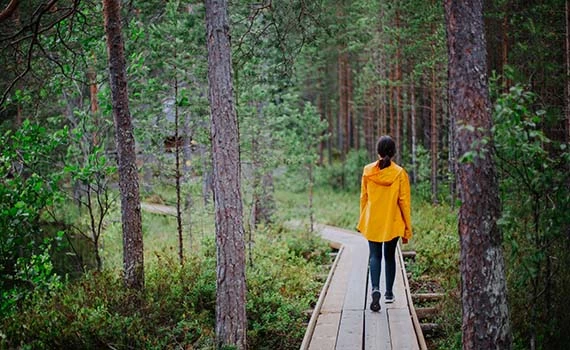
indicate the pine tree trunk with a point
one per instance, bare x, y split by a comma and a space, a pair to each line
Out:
231, 321
178, 173
483, 287
505, 50
93, 91
341, 107
19, 61
391, 103
133, 254
567, 71
433, 136
398, 132
351, 121
413, 127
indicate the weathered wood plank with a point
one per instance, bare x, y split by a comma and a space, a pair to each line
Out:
356, 292
350, 332
402, 334
336, 293
376, 331
325, 333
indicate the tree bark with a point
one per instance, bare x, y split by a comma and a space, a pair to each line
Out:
133, 257
178, 173
413, 127
433, 135
567, 42
231, 322
398, 132
484, 293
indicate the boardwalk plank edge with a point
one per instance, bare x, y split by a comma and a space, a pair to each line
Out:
316, 312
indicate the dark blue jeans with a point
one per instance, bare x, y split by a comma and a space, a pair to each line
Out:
376, 262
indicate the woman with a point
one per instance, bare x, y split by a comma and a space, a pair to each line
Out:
384, 215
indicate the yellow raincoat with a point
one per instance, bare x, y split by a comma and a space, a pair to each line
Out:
385, 203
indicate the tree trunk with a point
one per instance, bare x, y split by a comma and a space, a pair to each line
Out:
322, 118
133, 255
567, 71
413, 127
351, 121
391, 102
505, 49
178, 173
19, 61
483, 287
433, 136
398, 132
231, 321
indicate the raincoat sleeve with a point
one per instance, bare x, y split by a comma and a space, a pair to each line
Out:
363, 193
404, 201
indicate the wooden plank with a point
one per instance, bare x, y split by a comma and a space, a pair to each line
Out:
336, 293
325, 333
350, 332
402, 333
317, 311
376, 331
399, 288
355, 297
415, 322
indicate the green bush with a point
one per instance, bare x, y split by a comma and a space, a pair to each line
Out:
177, 306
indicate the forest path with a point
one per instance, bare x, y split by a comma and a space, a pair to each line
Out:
342, 318
158, 208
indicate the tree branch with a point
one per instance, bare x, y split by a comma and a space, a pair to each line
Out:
7, 12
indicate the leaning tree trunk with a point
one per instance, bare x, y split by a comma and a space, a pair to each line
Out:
133, 257
231, 322
483, 286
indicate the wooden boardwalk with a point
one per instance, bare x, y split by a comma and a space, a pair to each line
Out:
342, 318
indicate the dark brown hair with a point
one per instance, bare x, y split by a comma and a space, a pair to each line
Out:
386, 149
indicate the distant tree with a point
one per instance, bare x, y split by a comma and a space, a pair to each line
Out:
231, 321
483, 286
133, 254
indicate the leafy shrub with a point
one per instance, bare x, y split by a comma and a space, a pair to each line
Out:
177, 306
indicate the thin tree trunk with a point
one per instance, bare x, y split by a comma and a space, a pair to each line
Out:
311, 185
391, 103
341, 108
483, 288
398, 131
567, 41
93, 91
413, 127
178, 173
433, 136
19, 62
231, 321
331, 131
351, 120
133, 254
321, 117
505, 49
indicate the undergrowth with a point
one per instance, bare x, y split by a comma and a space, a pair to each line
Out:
177, 307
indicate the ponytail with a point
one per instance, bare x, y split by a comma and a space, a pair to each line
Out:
385, 162
386, 149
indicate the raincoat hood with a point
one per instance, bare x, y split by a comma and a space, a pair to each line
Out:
382, 177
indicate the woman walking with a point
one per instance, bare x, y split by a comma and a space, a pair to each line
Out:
384, 215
